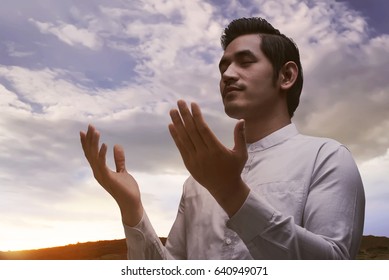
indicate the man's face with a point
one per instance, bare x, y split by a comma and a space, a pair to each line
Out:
246, 83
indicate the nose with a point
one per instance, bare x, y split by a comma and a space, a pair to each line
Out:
230, 74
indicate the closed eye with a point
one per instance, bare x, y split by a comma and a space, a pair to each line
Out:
247, 62
242, 58
245, 58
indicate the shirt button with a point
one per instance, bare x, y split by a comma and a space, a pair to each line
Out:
228, 241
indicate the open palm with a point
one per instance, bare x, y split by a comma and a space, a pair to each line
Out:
119, 184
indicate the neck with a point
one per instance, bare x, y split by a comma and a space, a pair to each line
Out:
258, 129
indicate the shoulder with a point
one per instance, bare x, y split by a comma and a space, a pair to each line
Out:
321, 141
324, 146
324, 151
332, 157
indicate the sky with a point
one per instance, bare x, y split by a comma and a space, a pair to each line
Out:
122, 65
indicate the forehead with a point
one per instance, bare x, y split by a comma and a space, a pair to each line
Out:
249, 42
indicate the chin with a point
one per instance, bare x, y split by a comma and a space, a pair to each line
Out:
233, 112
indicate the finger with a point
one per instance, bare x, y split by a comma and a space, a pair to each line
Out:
240, 139
102, 172
181, 147
100, 168
120, 160
180, 131
89, 134
209, 138
103, 155
190, 125
94, 145
83, 140
88, 141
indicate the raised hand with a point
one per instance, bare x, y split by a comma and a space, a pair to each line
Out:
119, 184
214, 166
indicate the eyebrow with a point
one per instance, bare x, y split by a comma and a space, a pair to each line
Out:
238, 55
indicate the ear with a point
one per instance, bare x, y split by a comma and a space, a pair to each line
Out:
288, 75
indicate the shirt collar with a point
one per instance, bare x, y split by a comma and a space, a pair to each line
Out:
273, 139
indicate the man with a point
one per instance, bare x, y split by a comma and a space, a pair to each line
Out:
276, 195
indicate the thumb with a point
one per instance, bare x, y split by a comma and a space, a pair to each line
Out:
120, 161
240, 138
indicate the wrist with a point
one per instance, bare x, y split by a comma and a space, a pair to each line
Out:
131, 216
231, 198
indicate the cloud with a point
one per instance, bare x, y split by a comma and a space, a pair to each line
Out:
162, 54
13, 51
374, 174
11, 103
69, 34
345, 96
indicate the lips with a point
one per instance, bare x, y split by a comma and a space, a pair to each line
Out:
231, 88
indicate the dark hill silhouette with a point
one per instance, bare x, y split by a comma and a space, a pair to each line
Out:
99, 250
372, 247
114, 249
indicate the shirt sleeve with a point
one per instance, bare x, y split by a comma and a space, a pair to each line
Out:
142, 241
333, 215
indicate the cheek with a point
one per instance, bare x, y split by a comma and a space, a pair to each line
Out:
254, 82
221, 86
261, 80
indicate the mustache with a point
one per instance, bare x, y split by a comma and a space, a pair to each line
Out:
231, 87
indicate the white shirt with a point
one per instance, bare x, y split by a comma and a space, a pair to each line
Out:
306, 202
